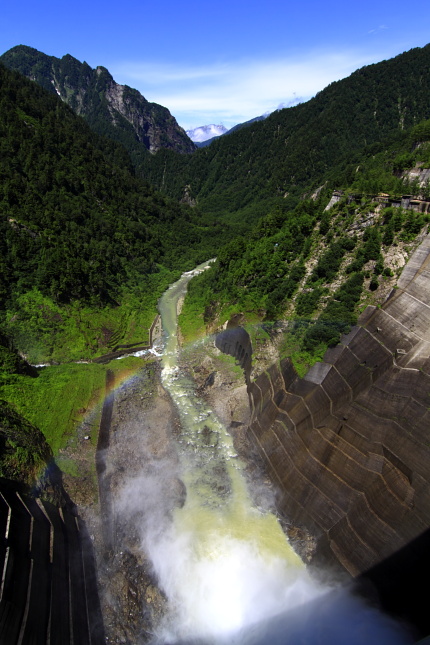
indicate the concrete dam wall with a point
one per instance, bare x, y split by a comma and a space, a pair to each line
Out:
348, 445
235, 341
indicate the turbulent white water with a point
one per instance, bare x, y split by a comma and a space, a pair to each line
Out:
226, 567
223, 564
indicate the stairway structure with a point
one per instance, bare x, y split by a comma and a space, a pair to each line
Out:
48, 591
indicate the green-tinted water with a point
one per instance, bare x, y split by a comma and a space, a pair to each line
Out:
234, 565
226, 568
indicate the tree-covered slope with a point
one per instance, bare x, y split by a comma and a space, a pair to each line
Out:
275, 160
76, 225
117, 111
320, 263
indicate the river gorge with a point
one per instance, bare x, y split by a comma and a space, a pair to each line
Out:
210, 472
194, 538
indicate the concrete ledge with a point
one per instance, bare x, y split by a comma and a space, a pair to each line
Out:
349, 444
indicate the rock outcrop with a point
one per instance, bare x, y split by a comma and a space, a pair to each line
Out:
236, 342
348, 444
117, 111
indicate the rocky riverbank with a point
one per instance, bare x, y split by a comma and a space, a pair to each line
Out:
130, 598
141, 472
141, 442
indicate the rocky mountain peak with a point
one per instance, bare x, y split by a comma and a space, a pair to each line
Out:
205, 132
117, 111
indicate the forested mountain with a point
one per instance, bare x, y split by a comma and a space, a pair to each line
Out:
114, 110
297, 149
271, 161
87, 247
319, 264
76, 224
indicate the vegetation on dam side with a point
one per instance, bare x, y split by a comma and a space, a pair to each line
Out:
318, 271
320, 264
87, 246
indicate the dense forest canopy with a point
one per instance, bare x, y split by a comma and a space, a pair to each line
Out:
76, 222
87, 245
240, 177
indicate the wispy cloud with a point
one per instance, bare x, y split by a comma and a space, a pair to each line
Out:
234, 92
377, 29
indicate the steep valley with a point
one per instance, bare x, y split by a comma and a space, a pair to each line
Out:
293, 395
144, 452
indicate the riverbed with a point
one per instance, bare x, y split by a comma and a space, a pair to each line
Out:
197, 556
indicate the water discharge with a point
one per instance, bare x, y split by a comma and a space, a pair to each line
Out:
226, 567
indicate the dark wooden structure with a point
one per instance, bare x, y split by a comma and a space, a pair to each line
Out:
48, 590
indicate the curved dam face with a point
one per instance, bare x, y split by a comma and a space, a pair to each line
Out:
236, 342
348, 445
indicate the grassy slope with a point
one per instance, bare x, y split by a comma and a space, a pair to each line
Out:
46, 332
63, 396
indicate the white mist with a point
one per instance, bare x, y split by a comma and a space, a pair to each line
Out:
228, 573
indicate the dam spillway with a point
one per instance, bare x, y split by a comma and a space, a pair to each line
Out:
229, 564
347, 445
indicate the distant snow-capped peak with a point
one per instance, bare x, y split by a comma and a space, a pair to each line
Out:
205, 132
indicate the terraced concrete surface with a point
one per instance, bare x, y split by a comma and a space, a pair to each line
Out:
349, 444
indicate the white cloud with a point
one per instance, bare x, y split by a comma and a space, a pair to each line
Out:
231, 93
380, 28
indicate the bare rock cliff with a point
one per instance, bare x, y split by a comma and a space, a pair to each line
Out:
117, 111
348, 444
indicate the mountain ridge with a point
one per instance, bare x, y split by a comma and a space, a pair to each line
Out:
111, 109
276, 160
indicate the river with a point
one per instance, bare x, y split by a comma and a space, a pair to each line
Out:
226, 567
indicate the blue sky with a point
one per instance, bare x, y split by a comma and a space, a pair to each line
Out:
225, 62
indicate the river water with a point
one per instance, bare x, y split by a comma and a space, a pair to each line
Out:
226, 568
